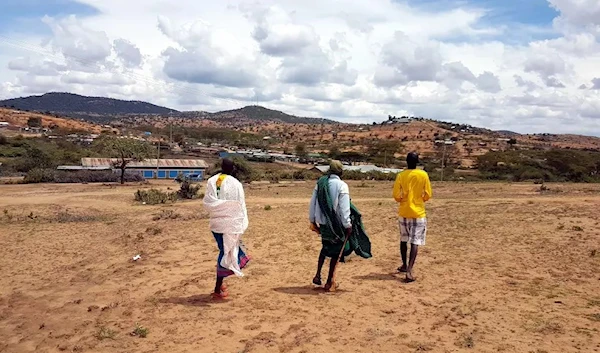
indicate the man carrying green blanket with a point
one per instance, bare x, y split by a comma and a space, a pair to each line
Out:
339, 223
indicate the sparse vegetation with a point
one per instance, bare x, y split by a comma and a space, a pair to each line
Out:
268, 208
550, 165
166, 215
155, 197
140, 331
81, 176
594, 317
154, 230
67, 216
188, 191
105, 333
465, 341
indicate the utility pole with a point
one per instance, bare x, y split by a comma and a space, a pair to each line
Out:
385, 158
443, 161
158, 158
170, 132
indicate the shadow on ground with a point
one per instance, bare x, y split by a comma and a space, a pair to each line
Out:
306, 290
194, 300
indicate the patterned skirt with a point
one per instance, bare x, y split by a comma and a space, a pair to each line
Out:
243, 258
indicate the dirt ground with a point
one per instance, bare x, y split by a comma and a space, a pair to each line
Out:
505, 269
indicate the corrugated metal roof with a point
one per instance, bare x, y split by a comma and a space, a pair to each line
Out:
361, 168
79, 167
148, 163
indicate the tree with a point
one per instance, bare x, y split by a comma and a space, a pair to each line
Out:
34, 122
125, 150
383, 151
300, 150
512, 142
334, 152
179, 138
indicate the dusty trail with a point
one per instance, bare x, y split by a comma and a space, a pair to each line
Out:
505, 270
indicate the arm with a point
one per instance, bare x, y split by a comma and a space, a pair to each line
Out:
344, 206
242, 198
312, 210
427, 193
397, 192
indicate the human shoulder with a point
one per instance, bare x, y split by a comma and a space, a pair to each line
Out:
234, 180
213, 178
344, 188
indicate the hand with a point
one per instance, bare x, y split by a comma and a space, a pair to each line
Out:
348, 231
315, 228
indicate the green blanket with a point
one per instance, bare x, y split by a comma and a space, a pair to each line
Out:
333, 233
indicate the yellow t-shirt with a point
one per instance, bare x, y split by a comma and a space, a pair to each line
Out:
412, 189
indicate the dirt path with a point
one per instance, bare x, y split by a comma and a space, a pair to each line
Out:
505, 269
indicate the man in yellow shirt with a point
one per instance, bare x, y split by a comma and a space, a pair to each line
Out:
412, 189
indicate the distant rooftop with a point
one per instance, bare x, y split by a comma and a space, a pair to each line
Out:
148, 163
361, 168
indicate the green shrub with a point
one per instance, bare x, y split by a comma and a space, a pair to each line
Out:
39, 175
304, 174
188, 191
81, 176
547, 165
155, 197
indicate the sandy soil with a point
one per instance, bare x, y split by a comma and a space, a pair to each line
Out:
20, 118
505, 269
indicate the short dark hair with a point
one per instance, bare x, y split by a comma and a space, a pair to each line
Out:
227, 166
412, 159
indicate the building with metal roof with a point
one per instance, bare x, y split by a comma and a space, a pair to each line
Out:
360, 168
149, 168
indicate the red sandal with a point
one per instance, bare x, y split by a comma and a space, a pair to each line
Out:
219, 296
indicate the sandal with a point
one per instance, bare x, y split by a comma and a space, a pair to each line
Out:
219, 296
409, 278
402, 269
317, 281
331, 287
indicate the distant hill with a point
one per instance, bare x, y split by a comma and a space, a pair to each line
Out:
89, 108
255, 112
507, 132
101, 109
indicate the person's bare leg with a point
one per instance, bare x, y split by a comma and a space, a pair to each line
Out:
219, 285
403, 251
414, 250
330, 284
317, 280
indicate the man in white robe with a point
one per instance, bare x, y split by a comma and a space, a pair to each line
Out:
226, 203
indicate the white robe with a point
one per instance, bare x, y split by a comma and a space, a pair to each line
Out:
228, 216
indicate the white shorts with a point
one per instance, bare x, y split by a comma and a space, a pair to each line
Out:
413, 230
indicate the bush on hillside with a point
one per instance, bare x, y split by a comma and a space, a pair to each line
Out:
550, 165
188, 191
155, 197
81, 176
374, 175
39, 175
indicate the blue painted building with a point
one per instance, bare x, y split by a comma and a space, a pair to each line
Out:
153, 168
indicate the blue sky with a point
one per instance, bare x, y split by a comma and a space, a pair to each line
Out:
528, 12
525, 12
524, 20
24, 15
